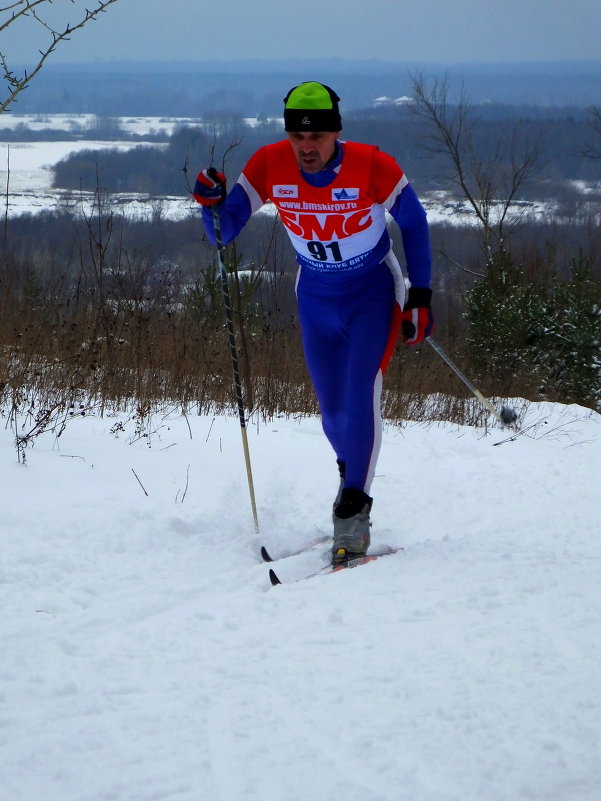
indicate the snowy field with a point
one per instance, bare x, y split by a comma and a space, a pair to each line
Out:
76, 123
26, 168
146, 657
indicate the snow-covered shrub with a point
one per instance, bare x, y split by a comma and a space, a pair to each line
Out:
547, 337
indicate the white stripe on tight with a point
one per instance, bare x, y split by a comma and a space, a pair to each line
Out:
375, 451
253, 195
393, 265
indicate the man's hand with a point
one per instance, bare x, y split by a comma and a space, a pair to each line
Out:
209, 188
416, 318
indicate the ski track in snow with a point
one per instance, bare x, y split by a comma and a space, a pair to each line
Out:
146, 657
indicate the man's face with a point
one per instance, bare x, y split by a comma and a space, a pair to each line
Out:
313, 149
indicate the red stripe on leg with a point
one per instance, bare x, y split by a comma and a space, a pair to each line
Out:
393, 336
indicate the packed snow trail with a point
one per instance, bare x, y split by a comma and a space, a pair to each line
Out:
146, 656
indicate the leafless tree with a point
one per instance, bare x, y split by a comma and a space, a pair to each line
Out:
42, 16
594, 151
490, 175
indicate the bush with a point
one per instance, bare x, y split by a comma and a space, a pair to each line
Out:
567, 348
542, 337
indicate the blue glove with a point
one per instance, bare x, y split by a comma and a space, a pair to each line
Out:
209, 188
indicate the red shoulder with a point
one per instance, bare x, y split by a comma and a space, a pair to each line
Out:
257, 167
386, 174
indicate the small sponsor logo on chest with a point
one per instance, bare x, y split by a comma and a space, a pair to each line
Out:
345, 194
285, 190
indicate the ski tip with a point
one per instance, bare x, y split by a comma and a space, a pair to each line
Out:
274, 579
265, 554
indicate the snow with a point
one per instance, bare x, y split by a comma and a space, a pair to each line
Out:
36, 158
79, 123
404, 100
146, 656
28, 175
26, 166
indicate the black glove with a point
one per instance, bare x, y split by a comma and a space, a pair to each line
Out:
417, 322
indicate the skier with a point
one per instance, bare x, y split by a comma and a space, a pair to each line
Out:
332, 196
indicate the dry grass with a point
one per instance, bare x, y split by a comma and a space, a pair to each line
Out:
66, 357
119, 335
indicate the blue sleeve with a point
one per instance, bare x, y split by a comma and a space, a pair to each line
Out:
410, 216
234, 213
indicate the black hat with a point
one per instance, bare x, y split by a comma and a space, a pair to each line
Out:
312, 106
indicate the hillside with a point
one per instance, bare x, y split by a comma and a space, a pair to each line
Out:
146, 656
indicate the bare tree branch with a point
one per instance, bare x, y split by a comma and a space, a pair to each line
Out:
14, 84
489, 175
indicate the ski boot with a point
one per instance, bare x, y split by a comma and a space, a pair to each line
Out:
351, 525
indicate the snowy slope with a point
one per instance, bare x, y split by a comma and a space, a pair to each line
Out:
145, 655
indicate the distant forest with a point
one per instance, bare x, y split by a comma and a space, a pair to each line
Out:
159, 171
256, 88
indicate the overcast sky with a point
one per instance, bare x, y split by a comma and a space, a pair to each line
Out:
429, 31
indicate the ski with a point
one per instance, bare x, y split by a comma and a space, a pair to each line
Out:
335, 568
308, 546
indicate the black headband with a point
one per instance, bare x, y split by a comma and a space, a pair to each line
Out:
315, 119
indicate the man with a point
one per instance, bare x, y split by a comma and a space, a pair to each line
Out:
332, 196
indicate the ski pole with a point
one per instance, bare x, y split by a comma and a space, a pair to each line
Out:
506, 416
235, 369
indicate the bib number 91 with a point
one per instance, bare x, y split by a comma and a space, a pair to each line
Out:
319, 250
